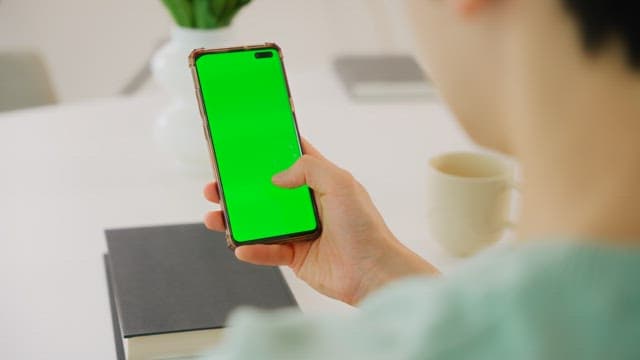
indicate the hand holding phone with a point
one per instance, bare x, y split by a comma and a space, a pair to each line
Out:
250, 126
356, 252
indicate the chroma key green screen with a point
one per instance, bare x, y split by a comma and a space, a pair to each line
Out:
254, 136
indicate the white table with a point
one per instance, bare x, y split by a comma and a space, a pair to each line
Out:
68, 172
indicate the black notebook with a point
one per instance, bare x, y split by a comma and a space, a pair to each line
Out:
172, 288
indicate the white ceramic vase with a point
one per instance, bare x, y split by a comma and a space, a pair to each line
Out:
178, 129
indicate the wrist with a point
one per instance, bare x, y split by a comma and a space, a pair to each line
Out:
395, 263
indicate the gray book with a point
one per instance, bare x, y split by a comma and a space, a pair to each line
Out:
383, 78
173, 287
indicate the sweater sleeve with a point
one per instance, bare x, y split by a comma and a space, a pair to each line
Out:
540, 305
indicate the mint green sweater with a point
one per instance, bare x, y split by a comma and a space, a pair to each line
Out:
535, 301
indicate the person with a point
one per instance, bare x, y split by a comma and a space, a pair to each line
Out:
554, 83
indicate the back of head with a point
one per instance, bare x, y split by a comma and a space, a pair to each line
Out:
504, 65
602, 21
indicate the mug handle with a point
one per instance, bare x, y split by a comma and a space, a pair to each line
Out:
513, 185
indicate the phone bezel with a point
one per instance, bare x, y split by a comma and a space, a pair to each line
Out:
231, 241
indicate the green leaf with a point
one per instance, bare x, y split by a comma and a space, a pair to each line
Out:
204, 19
204, 14
181, 11
230, 10
227, 9
217, 7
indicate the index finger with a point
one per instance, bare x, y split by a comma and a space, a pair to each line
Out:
211, 192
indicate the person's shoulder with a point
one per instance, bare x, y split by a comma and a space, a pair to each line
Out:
536, 273
569, 267
575, 298
553, 298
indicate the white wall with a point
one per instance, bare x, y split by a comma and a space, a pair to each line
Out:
93, 47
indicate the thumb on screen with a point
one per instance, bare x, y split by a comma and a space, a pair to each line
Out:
307, 170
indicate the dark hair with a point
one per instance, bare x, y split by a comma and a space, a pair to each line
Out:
604, 20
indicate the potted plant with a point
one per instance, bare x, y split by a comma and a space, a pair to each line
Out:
204, 14
198, 23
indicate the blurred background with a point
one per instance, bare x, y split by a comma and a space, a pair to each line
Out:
99, 129
89, 49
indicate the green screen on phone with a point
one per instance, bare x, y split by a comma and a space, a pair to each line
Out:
254, 136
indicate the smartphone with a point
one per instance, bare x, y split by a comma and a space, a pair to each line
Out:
250, 125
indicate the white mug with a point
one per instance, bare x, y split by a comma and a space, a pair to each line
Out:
468, 200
